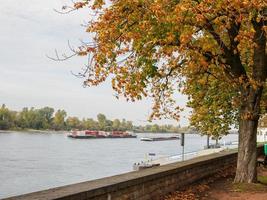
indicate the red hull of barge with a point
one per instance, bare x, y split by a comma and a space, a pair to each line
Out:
99, 134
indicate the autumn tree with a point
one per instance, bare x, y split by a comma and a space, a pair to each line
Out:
212, 50
263, 121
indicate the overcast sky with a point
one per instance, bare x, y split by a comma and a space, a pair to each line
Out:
30, 29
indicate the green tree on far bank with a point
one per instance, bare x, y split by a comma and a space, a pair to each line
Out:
116, 124
45, 119
46, 114
59, 120
89, 124
7, 118
101, 118
73, 123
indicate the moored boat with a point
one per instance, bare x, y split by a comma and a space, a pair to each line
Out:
152, 139
144, 165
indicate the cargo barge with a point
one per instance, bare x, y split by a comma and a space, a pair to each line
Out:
88, 134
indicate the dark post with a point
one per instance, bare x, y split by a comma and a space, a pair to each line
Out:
182, 144
208, 141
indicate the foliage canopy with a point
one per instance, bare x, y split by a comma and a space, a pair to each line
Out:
212, 50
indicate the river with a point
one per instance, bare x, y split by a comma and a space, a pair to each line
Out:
35, 161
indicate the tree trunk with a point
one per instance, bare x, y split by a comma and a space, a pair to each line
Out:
250, 110
246, 170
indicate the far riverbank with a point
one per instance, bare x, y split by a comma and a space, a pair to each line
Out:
66, 131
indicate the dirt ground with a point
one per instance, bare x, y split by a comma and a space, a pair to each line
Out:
221, 187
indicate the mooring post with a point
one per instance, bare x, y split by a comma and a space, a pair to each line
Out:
182, 144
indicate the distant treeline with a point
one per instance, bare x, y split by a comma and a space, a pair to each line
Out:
48, 119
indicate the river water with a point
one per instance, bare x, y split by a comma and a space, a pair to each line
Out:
35, 161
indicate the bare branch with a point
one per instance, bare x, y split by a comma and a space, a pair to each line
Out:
63, 57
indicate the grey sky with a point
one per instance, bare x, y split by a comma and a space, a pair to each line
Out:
30, 29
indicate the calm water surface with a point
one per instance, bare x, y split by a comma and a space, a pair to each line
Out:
35, 161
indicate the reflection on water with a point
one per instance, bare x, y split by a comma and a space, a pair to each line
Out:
36, 161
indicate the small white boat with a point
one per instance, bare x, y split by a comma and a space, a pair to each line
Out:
146, 139
144, 165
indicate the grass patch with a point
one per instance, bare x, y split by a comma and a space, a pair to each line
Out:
249, 187
262, 179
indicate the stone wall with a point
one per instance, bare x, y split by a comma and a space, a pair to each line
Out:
147, 184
